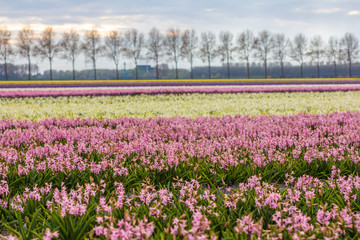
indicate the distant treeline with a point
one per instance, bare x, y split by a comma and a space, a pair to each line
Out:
264, 54
19, 72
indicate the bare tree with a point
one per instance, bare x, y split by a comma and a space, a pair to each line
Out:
114, 48
316, 52
281, 48
207, 51
226, 49
350, 49
134, 42
263, 45
26, 45
188, 47
333, 52
298, 51
155, 47
173, 46
47, 48
70, 47
244, 47
5, 48
92, 47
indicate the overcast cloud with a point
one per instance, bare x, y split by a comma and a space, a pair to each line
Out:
327, 17
324, 17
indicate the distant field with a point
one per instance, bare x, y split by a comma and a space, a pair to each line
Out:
179, 82
187, 105
177, 90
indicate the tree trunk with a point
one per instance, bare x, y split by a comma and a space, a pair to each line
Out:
350, 70
157, 68
136, 70
6, 73
73, 66
228, 69
265, 63
29, 68
248, 68
191, 70
335, 69
282, 69
94, 65
51, 77
117, 71
176, 70
301, 70
318, 69
209, 69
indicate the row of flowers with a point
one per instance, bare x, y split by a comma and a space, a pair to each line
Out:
303, 208
176, 81
172, 105
191, 87
221, 143
154, 91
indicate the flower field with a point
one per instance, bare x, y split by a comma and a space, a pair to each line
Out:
179, 90
187, 105
181, 166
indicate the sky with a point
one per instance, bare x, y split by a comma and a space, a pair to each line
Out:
311, 17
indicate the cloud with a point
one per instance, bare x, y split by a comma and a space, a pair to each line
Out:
290, 23
327, 10
354, 13
209, 9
